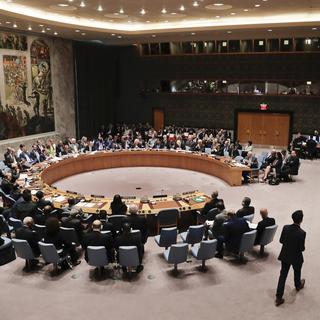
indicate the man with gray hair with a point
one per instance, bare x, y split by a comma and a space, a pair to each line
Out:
137, 222
27, 233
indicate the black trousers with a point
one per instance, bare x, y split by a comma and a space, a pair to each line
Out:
285, 267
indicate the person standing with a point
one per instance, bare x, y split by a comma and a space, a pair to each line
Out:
293, 240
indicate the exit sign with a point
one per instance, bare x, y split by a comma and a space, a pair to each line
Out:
264, 107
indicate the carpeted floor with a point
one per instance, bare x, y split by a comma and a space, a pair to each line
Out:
226, 291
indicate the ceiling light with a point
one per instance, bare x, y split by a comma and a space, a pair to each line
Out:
77, 30
217, 17
193, 33
55, 33
153, 36
195, 4
229, 31
121, 11
119, 37
15, 25
113, 34
233, 13
63, 5
48, 29
83, 33
173, 13
257, 5
41, 25
218, 4
29, 28
246, 10
314, 28
182, 8
269, 30
82, 4
143, 11
43, 31
8, 22
148, 21
100, 8
164, 10
309, 83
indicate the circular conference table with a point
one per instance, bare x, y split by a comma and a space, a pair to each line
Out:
43, 175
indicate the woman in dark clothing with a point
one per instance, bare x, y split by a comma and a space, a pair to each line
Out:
276, 165
53, 235
117, 206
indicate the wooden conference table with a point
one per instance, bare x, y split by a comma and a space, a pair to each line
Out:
42, 176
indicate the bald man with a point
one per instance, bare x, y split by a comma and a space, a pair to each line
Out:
27, 233
265, 222
96, 238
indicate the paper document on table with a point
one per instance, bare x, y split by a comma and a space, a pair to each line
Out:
60, 199
252, 225
89, 205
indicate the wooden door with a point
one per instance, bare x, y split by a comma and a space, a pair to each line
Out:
158, 119
264, 128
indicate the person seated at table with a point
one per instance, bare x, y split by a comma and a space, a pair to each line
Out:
291, 166
275, 166
246, 209
126, 238
137, 222
53, 235
41, 201
41, 217
118, 207
247, 148
265, 222
10, 158
71, 207
219, 220
25, 157
25, 208
73, 221
27, 233
106, 225
96, 238
269, 159
6, 184
311, 146
252, 162
211, 204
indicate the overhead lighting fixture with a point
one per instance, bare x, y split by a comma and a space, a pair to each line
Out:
182, 8
218, 17
193, 33
15, 25
119, 37
164, 11
245, 10
29, 28
63, 5
314, 28
55, 33
309, 83
233, 13
257, 5
43, 31
229, 31
218, 4
269, 30
143, 12
100, 8
153, 36
48, 29
121, 11
77, 30
195, 4
82, 4
83, 33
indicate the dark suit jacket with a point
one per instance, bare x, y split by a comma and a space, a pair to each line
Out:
72, 222
6, 186
245, 211
266, 222
138, 223
57, 240
42, 203
96, 238
130, 240
209, 205
25, 209
31, 236
292, 239
233, 231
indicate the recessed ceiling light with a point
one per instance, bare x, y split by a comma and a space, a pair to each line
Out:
119, 37
195, 4
100, 8
41, 25
29, 28
82, 4
229, 31
246, 10
83, 33
153, 36
15, 25
182, 8
77, 30
257, 5
218, 4
48, 29
314, 28
43, 31
113, 34
121, 11
55, 33
193, 33
269, 30
63, 5
8, 22
164, 10
143, 11
233, 13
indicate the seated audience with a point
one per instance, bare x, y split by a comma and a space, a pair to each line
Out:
246, 209
291, 166
42, 202
117, 206
219, 220
130, 239
96, 238
25, 208
265, 222
73, 221
211, 204
27, 233
252, 162
138, 222
53, 235
106, 225
275, 166
41, 217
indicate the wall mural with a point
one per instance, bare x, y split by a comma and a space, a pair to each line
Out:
13, 41
27, 106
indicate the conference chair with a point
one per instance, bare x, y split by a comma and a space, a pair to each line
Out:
40, 230
7, 253
5, 227
176, 254
8, 201
193, 235
15, 223
267, 237
70, 236
51, 255
167, 237
97, 257
24, 251
247, 243
205, 250
249, 217
167, 218
128, 257
116, 220
137, 233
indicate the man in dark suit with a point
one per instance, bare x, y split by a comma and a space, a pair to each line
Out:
73, 221
137, 222
212, 203
96, 238
130, 239
265, 222
233, 231
293, 240
246, 209
26, 233
26, 208
291, 166
42, 202
41, 217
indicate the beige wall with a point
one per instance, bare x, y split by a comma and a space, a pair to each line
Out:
61, 55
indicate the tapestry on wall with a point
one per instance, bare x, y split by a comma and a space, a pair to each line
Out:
27, 107
13, 41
